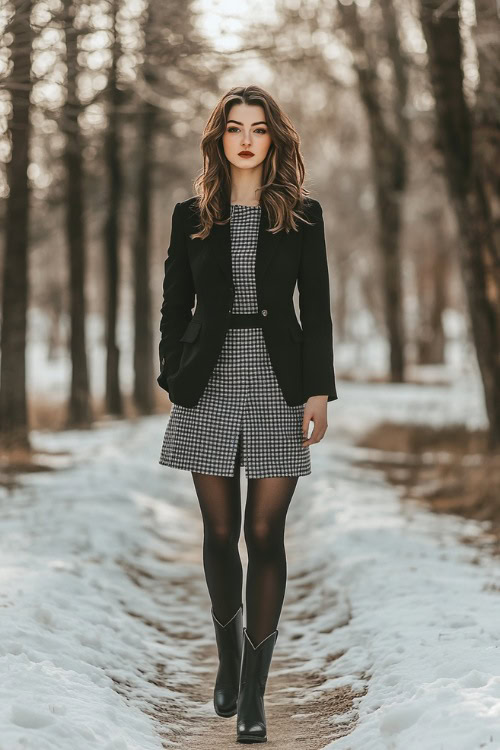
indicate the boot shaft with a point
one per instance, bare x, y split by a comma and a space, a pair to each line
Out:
256, 660
229, 637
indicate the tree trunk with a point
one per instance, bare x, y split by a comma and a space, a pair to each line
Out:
79, 408
432, 275
465, 174
113, 395
13, 406
143, 334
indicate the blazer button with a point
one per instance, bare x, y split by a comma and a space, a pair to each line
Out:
264, 312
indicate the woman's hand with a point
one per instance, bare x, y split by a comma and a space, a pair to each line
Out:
315, 409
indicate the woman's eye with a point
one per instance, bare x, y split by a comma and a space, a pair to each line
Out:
233, 128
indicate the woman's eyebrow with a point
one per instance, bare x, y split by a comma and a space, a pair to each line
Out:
262, 122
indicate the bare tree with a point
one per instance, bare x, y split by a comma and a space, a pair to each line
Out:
114, 403
154, 92
143, 336
470, 143
13, 408
389, 170
79, 409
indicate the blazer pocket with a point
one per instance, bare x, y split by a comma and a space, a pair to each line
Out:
191, 332
297, 332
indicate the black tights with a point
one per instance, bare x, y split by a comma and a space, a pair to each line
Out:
267, 504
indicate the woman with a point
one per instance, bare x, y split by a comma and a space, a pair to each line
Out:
244, 377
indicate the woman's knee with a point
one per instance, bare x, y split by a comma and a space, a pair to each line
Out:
221, 536
262, 537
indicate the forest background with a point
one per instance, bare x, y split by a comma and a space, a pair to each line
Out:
102, 106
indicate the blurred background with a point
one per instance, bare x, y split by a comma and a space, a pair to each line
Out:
102, 106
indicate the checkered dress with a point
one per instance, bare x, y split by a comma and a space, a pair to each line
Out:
242, 417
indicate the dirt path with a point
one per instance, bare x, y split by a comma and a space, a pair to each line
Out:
298, 708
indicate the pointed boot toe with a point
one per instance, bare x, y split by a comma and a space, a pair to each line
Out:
229, 639
248, 732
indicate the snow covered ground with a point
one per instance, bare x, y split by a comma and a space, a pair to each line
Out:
106, 637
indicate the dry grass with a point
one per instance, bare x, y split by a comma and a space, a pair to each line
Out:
448, 468
50, 414
46, 414
414, 378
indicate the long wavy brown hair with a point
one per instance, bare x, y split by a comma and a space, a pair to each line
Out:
282, 193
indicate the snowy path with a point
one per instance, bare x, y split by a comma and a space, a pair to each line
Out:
389, 633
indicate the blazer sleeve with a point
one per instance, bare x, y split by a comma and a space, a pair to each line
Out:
178, 296
318, 375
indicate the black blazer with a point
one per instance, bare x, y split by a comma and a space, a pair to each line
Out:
301, 355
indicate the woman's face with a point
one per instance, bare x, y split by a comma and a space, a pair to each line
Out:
246, 130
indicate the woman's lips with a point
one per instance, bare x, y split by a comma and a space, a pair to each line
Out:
245, 154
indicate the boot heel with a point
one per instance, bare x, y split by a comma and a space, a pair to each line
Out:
229, 638
255, 663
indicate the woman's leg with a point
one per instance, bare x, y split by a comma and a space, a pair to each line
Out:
264, 526
220, 504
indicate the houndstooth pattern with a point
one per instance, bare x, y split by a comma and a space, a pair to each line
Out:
242, 417
244, 229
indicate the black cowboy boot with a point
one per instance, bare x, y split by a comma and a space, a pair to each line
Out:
229, 639
255, 663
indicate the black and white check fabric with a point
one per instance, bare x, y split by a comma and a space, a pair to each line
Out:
242, 417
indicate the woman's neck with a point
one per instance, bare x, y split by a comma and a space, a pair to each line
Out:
245, 185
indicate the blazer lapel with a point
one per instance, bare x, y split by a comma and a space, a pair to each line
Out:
219, 240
